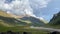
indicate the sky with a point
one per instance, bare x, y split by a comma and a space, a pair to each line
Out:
38, 8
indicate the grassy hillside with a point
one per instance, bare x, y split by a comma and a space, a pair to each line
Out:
8, 20
55, 20
33, 21
29, 21
2, 13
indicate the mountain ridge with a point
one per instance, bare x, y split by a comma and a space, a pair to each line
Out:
26, 20
56, 19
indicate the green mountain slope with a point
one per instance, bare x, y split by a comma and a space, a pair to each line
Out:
7, 20
2, 13
33, 21
11, 21
55, 20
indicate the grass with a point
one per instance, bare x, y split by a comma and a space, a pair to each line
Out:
22, 29
52, 26
2, 13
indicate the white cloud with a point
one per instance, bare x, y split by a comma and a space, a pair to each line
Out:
18, 7
8, 12
7, 6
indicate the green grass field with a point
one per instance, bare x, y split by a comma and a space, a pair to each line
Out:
22, 29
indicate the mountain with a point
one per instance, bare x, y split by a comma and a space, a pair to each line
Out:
33, 21
2, 13
55, 20
8, 19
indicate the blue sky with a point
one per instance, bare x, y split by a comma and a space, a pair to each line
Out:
52, 8
37, 8
47, 12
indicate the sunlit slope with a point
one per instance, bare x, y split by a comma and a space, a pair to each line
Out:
2, 13
8, 20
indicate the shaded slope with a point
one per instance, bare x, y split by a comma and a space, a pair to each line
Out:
34, 21
55, 20
11, 21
